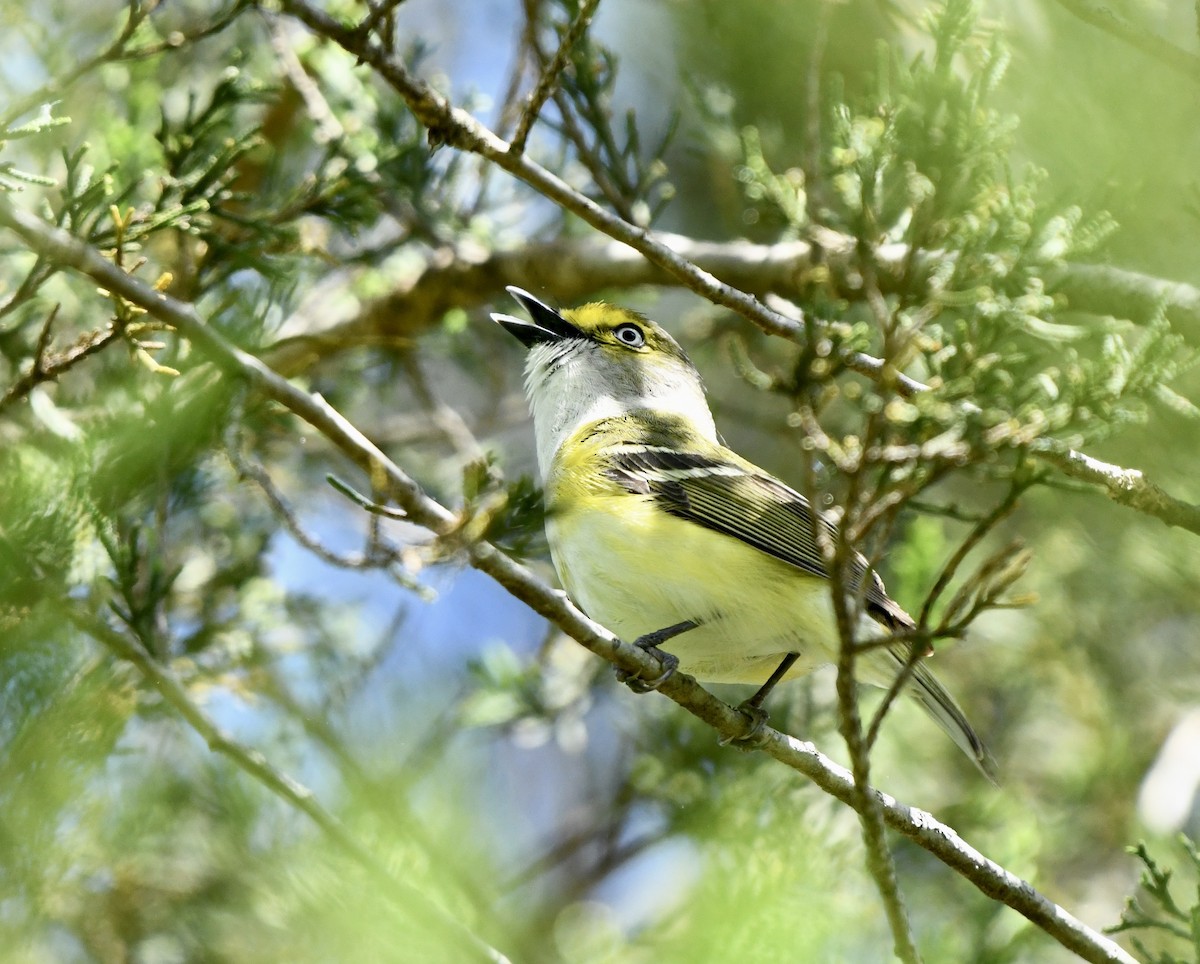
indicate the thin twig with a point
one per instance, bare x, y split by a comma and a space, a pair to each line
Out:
550, 73
588, 157
381, 13
118, 50
368, 505
48, 369
43, 342
284, 512
379, 554
848, 610
570, 127
974, 537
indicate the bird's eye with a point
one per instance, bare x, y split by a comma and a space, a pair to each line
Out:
630, 335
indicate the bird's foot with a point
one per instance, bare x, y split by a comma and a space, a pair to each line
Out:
756, 721
753, 710
670, 663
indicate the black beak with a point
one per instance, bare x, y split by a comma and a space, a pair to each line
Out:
547, 326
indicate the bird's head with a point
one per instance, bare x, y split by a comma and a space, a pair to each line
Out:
599, 361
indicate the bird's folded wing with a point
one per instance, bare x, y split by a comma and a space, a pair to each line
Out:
748, 504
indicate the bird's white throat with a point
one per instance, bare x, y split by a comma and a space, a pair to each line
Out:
572, 388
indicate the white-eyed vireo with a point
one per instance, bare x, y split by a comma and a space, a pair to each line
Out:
664, 535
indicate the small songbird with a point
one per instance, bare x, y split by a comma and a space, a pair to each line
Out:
670, 539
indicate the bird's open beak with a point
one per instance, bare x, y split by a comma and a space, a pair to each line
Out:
547, 326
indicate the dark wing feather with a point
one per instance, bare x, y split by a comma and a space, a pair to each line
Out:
749, 505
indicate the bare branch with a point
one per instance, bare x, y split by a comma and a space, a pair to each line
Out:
378, 555
571, 270
40, 370
974, 537
608, 179
1129, 487
939, 839
549, 77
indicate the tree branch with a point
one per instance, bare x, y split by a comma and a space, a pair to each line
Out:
408, 898
549, 76
1101, 289
451, 125
1129, 487
570, 270
848, 610
939, 839
47, 367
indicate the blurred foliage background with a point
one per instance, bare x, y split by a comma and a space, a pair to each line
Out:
232, 157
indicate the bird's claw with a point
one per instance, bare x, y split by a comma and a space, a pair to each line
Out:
649, 643
635, 682
753, 737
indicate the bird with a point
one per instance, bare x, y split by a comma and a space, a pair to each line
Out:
675, 542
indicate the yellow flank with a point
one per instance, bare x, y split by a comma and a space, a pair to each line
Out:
635, 568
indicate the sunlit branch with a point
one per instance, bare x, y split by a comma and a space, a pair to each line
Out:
1129, 487
570, 270
385, 476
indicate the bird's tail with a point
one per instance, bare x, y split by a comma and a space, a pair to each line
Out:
924, 687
